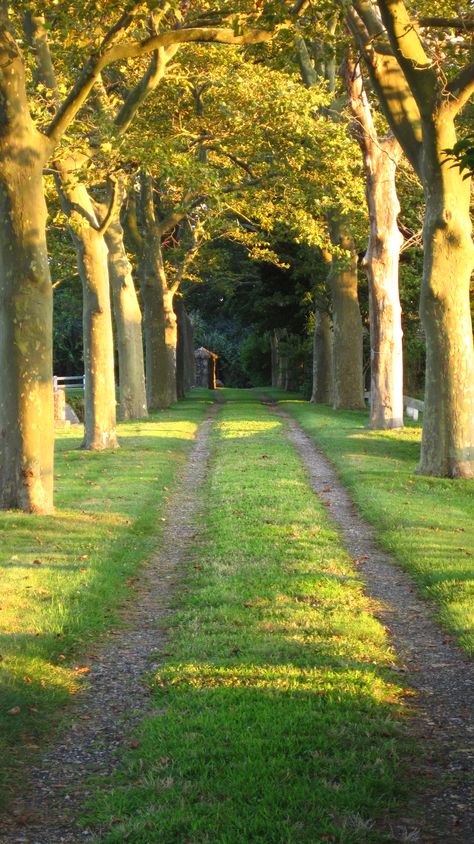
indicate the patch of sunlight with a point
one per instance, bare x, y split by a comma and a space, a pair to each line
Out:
181, 431
36, 671
246, 429
280, 678
108, 519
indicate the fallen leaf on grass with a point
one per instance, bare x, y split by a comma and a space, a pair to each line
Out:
81, 669
15, 710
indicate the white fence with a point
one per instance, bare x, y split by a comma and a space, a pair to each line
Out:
413, 407
63, 381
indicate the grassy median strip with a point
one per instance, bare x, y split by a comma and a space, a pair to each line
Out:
278, 715
427, 523
63, 576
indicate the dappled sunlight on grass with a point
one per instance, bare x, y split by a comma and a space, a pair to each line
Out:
279, 717
247, 429
428, 523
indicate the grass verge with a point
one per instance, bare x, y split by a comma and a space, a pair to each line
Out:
63, 576
278, 715
427, 523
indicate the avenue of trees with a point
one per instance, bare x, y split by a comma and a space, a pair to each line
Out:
270, 169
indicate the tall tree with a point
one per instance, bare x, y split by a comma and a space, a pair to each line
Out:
347, 379
26, 410
422, 94
381, 261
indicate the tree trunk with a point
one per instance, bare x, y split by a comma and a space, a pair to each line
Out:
189, 359
161, 333
448, 420
382, 263
322, 359
128, 322
282, 378
100, 402
99, 399
26, 364
348, 391
274, 339
26, 393
180, 348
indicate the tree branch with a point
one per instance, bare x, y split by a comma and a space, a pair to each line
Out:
461, 88
390, 83
134, 49
448, 23
408, 50
131, 224
112, 209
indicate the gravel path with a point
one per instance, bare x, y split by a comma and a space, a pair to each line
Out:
441, 675
117, 698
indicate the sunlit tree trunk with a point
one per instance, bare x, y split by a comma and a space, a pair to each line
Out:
381, 261
448, 423
322, 358
128, 323
421, 102
26, 392
99, 399
161, 332
348, 391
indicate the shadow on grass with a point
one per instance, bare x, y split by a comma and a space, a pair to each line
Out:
264, 753
64, 576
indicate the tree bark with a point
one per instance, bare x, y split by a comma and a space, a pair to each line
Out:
189, 359
322, 359
381, 261
421, 102
448, 419
100, 403
26, 396
348, 390
128, 323
180, 348
161, 333
274, 339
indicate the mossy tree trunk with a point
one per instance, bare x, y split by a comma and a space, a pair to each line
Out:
26, 396
348, 390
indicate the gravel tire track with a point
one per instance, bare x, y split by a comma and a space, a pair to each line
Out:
441, 675
117, 698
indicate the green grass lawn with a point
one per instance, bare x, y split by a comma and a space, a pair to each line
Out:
427, 523
278, 716
63, 576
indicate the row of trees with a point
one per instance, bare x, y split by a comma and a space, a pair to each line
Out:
156, 149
